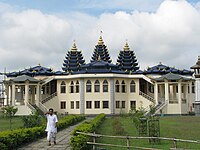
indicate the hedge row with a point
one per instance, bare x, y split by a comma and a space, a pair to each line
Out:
78, 141
15, 138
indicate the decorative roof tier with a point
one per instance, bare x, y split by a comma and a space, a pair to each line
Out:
102, 51
99, 66
32, 71
73, 60
127, 60
163, 69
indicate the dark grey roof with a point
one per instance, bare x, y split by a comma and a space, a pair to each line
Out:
171, 76
24, 78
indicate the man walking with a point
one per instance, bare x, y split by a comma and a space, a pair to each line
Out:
51, 126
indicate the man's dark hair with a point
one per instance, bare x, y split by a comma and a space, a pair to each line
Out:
51, 109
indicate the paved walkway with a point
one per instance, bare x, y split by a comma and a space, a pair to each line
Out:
63, 141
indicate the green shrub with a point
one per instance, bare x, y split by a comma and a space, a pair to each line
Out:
3, 146
32, 120
78, 141
12, 139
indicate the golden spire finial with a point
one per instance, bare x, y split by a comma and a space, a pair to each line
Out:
100, 42
126, 46
74, 48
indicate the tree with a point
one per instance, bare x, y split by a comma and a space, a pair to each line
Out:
10, 111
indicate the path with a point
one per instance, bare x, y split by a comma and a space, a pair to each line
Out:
63, 141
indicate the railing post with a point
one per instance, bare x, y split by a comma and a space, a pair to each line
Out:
128, 144
175, 143
94, 140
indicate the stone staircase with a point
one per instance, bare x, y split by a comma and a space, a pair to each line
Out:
157, 108
49, 98
146, 96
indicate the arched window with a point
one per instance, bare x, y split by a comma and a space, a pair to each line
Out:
105, 86
88, 86
62, 87
72, 87
117, 86
97, 86
132, 86
77, 86
123, 87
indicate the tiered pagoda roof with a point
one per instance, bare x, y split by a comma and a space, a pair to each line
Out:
73, 60
127, 60
32, 71
102, 51
163, 69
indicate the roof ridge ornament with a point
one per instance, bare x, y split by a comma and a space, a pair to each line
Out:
74, 47
100, 42
126, 46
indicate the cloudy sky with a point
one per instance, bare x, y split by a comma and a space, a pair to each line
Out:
36, 32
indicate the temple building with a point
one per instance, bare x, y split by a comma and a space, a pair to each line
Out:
101, 86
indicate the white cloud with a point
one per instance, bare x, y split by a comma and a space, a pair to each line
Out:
31, 37
169, 35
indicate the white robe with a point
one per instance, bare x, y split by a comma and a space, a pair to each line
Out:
51, 123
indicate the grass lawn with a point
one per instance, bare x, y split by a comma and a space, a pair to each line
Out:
5, 123
183, 127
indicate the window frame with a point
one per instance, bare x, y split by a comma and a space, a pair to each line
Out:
88, 84
132, 86
97, 86
105, 86
62, 103
63, 87
105, 106
88, 103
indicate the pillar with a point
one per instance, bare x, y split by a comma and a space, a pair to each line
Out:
166, 91
156, 93
179, 92
180, 96
112, 96
26, 100
13, 95
37, 101
82, 97
33, 94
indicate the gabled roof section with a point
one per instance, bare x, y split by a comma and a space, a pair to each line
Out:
101, 52
163, 69
171, 76
24, 78
127, 60
32, 71
73, 60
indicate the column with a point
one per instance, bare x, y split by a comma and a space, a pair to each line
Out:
179, 92
9, 95
197, 90
112, 96
156, 93
37, 101
166, 91
26, 100
33, 94
13, 95
186, 93
82, 97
